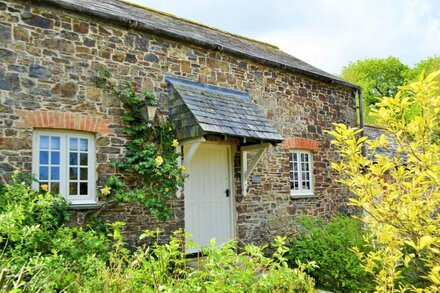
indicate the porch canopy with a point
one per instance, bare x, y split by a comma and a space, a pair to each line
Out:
197, 110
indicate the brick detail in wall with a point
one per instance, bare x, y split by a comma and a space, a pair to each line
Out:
63, 120
301, 143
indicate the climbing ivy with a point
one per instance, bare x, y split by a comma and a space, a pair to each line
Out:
149, 172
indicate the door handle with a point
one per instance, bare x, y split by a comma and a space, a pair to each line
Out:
227, 192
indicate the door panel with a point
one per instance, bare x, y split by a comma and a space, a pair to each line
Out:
208, 211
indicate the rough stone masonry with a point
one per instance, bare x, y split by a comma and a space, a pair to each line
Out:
48, 60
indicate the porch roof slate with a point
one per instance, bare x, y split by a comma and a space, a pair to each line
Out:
217, 110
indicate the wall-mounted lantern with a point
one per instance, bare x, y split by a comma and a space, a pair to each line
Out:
148, 112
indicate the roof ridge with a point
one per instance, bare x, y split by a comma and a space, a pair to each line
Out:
196, 23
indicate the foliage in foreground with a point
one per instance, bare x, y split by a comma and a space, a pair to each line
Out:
401, 194
38, 253
329, 244
164, 268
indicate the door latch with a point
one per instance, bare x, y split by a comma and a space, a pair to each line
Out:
227, 192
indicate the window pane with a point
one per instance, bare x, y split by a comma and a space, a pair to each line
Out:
83, 144
73, 142
73, 188
44, 173
83, 159
73, 173
295, 157
55, 173
83, 188
55, 187
306, 185
44, 142
55, 158
73, 159
83, 174
44, 157
55, 143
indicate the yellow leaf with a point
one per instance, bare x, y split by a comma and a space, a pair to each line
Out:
426, 241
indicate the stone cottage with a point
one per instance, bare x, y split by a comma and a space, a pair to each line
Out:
250, 118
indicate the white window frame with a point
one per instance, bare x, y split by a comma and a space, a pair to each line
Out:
65, 136
302, 192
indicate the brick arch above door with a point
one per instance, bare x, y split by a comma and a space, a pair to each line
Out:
63, 120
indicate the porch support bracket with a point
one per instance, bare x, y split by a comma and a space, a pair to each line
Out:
194, 145
246, 170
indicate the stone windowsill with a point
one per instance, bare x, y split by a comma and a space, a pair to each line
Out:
86, 206
303, 196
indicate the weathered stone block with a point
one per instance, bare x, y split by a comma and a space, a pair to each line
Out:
35, 91
141, 43
151, 58
302, 92
39, 71
7, 56
21, 34
89, 42
38, 21
130, 58
65, 89
59, 45
118, 56
94, 94
5, 33
82, 28
69, 35
9, 81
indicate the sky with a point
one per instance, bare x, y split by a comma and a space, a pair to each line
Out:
325, 33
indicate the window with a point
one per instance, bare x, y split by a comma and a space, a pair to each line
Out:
301, 173
65, 161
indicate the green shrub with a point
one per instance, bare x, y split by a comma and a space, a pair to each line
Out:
35, 247
41, 254
329, 244
165, 268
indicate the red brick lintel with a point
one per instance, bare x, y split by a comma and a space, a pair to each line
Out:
301, 143
63, 120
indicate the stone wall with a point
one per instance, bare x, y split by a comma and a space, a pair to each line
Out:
48, 62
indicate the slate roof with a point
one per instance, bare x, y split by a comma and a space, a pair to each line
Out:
374, 132
198, 109
150, 20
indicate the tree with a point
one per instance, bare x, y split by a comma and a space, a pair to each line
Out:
428, 65
378, 77
400, 195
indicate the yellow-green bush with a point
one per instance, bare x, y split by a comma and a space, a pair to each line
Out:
401, 208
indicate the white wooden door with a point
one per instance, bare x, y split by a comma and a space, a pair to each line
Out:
208, 209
